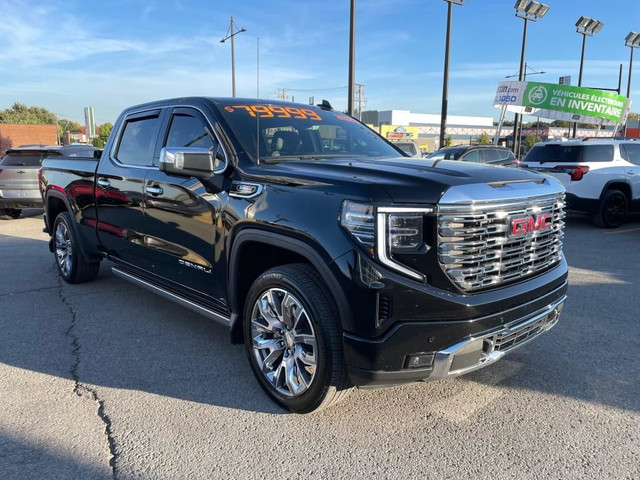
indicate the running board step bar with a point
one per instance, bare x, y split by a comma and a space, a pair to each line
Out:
207, 312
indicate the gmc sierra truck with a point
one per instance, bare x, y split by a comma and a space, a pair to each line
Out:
337, 261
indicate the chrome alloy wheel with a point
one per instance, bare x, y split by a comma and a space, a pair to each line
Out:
284, 342
64, 249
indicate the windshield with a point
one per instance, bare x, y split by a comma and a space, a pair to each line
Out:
296, 132
570, 153
409, 148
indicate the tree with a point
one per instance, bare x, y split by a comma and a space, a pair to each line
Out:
20, 113
65, 125
633, 116
5, 144
530, 140
560, 123
483, 139
104, 131
97, 142
448, 141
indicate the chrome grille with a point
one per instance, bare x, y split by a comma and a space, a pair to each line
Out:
476, 249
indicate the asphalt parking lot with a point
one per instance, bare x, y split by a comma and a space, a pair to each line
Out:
105, 380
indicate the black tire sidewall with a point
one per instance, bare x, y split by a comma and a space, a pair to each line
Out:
606, 220
277, 278
64, 218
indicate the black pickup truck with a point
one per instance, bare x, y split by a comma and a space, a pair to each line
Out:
338, 261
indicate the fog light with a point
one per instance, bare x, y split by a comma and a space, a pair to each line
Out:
418, 360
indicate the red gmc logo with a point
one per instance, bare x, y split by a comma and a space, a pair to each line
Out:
521, 226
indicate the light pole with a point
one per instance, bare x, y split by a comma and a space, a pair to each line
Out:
632, 41
230, 34
585, 26
445, 80
528, 10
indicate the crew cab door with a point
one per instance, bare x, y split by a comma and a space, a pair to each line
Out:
631, 153
119, 187
183, 226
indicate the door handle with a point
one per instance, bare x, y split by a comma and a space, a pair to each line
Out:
155, 191
104, 183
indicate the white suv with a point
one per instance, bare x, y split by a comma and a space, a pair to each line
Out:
602, 176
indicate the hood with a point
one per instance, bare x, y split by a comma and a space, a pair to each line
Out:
403, 179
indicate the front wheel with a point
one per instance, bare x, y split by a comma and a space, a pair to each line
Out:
293, 339
612, 210
72, 265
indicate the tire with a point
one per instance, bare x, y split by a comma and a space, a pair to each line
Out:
10, 213
296, 356
612, 211
72, 265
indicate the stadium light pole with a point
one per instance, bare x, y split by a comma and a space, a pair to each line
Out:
528, 10
632, 41
230, 34
445, 80
585, 26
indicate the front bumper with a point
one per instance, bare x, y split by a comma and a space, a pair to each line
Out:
473, 344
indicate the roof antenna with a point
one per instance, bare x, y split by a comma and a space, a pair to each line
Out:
258, 99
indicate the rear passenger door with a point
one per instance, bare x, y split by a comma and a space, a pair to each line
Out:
120, 187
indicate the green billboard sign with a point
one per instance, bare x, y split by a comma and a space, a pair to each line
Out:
575, 100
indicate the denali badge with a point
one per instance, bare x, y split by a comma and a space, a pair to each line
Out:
530, 224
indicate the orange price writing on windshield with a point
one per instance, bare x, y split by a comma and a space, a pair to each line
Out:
275, 111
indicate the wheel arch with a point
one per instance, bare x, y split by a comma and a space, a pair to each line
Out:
274, 249
621, 185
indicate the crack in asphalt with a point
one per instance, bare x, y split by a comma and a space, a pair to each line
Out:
84, 391
33, 290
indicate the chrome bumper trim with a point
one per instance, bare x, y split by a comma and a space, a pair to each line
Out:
485, 344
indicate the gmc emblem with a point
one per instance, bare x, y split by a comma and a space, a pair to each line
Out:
530, 224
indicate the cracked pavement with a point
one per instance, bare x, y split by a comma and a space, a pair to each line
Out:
105, 380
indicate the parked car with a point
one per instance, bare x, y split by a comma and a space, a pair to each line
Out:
490, 154
409, 147
336, 263
602, 176
19, 174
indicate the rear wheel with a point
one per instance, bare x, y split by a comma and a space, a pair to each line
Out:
8, 213
293, 339
72, 264
612, 210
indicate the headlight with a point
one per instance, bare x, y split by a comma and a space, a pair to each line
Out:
384, 231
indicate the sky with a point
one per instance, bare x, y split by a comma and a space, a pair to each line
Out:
67, 55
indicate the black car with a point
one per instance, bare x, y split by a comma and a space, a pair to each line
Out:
490, 154
19, 174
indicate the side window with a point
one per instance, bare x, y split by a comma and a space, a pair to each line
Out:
631, 152
491, 155
473, 156
190, 131
187, 131
138, 141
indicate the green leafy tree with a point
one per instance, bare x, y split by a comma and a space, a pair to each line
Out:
483, 139
22, 114
448, 141
530, 140
97, 142
65, 125
104, 131
560, 123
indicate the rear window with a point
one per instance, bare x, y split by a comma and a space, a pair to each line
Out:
409, 148
447, 154
570, 153
26, 158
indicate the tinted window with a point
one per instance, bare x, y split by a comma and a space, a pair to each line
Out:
26, 158
409, 148
504, 154
138, 141
570, 153
631, 152
188, 131
283, 130
472, 156
491, 155
447, 154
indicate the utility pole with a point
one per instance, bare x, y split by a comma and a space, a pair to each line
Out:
230, 35
282, 94
352, 57
361, 100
